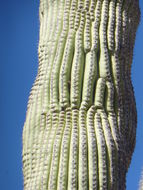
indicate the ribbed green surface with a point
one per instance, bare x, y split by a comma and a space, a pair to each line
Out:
80, 125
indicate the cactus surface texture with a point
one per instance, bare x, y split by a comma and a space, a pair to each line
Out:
80, 126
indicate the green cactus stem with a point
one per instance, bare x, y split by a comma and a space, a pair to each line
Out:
80, 126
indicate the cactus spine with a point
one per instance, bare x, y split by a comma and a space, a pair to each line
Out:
80, 124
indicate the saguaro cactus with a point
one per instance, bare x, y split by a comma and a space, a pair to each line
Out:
80, 125
141, 182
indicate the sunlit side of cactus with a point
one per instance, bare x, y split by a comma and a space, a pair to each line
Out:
80, 126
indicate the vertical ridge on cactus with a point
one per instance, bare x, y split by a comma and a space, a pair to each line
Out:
80, 126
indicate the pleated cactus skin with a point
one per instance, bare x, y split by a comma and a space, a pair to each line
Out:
80, 126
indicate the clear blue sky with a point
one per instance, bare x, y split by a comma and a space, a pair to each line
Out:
19, 32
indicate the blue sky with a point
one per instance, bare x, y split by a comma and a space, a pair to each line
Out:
19, 62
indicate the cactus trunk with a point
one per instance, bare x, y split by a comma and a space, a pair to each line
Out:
80, 126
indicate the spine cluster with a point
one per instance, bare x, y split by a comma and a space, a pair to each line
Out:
81, 120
